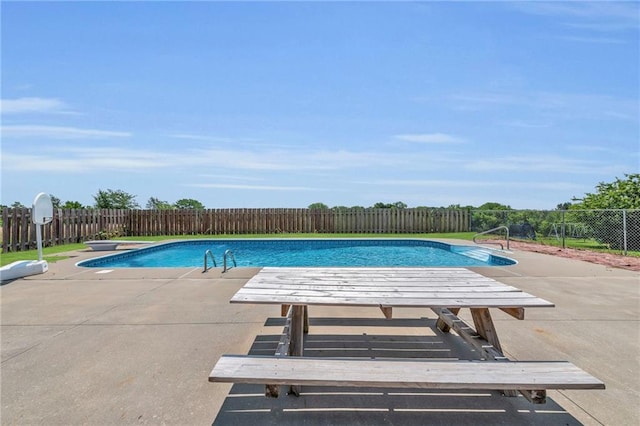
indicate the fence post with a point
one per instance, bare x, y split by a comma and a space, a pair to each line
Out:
624, 231
562, 228
6, 230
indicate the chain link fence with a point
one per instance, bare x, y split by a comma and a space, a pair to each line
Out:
616, 231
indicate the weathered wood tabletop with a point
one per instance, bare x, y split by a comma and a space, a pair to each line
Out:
393, 287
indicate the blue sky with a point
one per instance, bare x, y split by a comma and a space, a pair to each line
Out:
283, 104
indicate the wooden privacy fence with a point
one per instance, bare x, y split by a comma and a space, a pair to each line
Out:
78, 225
270, 221
68, 226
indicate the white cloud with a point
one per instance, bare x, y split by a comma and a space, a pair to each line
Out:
541, 164
32, 105
58, 132
228, 177
593, 15
596, 40
253, 187
448, 184
526, 124
552, 105
485, 98
236, 168
428, 138
279, 160
40, 163
437, 183
236, 141
201, 138
98, 158
94, 160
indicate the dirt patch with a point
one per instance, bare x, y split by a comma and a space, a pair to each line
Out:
608, 259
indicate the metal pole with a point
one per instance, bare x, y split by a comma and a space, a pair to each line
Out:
624, 231
562, 229
39, 240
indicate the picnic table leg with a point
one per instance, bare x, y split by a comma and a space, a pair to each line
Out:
442, 326
297, 336
485, 328
284, 310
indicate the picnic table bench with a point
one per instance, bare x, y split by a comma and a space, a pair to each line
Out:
444, 290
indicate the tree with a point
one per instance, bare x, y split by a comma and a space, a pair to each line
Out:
118, 199
345, 208
188, 203
396, 205
320, 206
72, 205
605, 221
55, 201
17, 205
620, 194
494, 206
157, 204
399, 205
488, 216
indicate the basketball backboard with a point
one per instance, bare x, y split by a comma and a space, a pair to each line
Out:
42, 209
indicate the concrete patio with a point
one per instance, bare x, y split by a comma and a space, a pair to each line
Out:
85, 346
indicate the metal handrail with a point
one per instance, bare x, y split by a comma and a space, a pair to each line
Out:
491, 242
215, 265
228, 253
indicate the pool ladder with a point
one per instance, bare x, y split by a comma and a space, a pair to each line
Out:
209, 255
228, 253
493, 242
213, 259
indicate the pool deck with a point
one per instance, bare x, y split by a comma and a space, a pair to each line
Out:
85, 346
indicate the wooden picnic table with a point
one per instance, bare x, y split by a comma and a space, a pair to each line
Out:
443, 290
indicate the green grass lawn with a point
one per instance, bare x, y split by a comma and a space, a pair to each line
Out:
53, 254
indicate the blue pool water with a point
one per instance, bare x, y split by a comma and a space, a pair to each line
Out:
290, 252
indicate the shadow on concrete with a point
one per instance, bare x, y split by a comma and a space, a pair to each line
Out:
5, 282
416, 338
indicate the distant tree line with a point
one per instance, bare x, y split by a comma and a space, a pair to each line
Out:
119, 199
323, 206
621, 194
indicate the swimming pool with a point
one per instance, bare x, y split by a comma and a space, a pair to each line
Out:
303, 252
